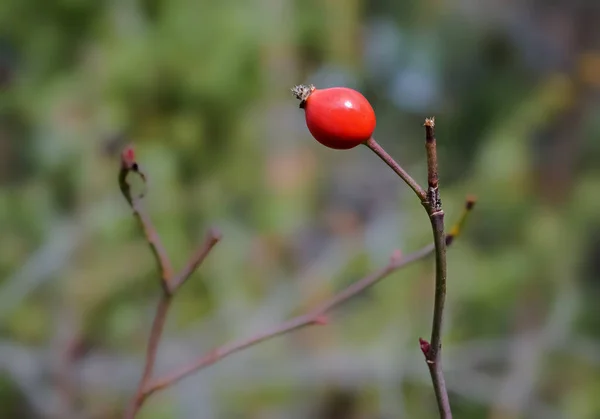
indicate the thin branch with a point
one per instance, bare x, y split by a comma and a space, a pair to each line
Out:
457, 228
433, 206
129, 165
158, 250
389, 160
212, 238
433, 356
432, 203
169, 283
431, 149
158, 324
314, 317
155, 334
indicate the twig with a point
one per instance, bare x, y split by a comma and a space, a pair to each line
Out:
433, 205
169, 282
314, 317
129, 165
389, 160
212, 238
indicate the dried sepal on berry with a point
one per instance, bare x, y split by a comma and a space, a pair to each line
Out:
302, 92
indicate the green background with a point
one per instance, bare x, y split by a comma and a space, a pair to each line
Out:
201, 88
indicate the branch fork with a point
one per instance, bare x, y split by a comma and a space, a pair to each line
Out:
432, 203
171, 282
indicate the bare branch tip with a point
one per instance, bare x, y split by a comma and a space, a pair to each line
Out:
430, 122
470, 203
215, 234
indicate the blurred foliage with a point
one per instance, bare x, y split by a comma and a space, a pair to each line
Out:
202, 90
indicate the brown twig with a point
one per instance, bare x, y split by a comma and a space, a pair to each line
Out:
389, 160
129, 165
169, 282
433, 205
158, 324
433, 357
316, 316
212, 238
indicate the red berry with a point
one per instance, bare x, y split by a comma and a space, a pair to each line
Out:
338, 117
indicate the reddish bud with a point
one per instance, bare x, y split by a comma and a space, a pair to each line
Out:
425, 346
396, 256
321, 320
128, 157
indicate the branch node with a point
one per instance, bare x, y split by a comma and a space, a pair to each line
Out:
396, 257
431, 349
321, 320
434, 201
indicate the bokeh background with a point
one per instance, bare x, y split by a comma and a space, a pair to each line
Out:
201, 88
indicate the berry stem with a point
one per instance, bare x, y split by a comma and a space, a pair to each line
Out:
389, 160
